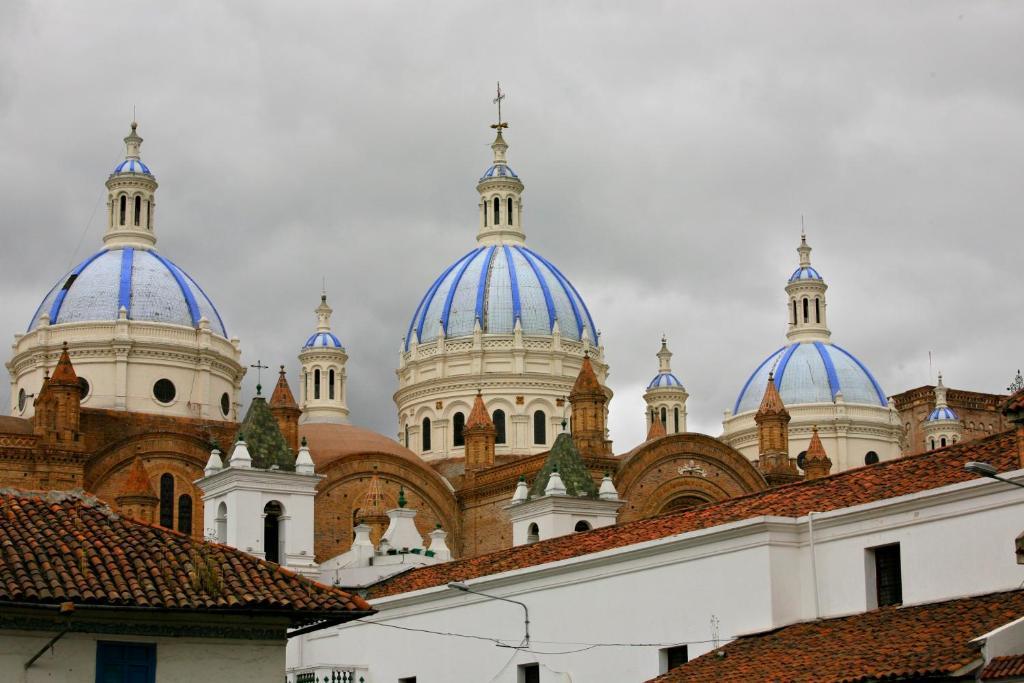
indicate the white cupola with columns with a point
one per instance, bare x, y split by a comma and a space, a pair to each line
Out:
666, 396
323, 393
265, 512
806, 291
142, 334
942, 427
501, 318
131, 203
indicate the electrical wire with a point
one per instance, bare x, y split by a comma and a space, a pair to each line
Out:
515, 653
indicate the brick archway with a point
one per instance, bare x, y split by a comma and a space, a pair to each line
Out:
682, 469
347, 478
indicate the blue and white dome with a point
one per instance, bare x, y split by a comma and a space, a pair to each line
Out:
148, 285
499, 171
498, 285
805, 273
942, 413
325, 340
664, 380
812, 372
131, 166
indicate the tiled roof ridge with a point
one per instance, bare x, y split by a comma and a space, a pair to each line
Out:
1007, 666
777, 496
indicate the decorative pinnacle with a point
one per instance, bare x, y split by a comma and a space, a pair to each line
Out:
497, 100
132, 143
303, 443
401, 497
259, 389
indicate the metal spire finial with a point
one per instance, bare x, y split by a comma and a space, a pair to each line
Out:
497, 100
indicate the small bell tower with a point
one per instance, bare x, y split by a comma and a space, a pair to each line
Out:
806, 292
501, 203
131, 203
324, 389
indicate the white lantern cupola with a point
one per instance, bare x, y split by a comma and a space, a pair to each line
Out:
942, 427
131, 189
666, 396
806, 310
323, 390
501, 203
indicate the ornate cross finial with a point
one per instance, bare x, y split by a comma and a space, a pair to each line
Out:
497, 100
1017, 384
260, 367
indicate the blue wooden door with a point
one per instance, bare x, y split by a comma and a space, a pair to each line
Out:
125, 662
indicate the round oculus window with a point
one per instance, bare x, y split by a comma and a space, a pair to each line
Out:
801, 460
22, 400
83, 387
225, 404
164, 391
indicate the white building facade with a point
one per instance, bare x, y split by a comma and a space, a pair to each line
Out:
616, 614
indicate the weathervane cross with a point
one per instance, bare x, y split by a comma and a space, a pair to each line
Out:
497, 100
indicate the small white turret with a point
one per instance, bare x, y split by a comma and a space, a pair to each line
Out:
303, 460
522, 493
555, 487
806, 289
131, 189
214, 464
323, 393
240, 458
607, 490
942, 427
438, 544
666, 396
402, 532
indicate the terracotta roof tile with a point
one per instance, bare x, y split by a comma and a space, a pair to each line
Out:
282, 396
137, 483
586, 381
1014, 406
478, 417
1003, 667
771, 404
891, 643
64, 373
853, 487
93, 556
656, 430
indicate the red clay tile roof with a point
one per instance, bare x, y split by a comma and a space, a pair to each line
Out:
1014, 405
69, 547
1003, 667
282, 396
891, 643
852, 487
137, 484
329, 442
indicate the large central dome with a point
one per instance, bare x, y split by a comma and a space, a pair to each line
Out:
498, 285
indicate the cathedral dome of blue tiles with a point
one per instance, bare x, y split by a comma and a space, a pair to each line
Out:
147, 285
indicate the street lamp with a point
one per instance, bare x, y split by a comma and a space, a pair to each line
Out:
986, 470
459, 586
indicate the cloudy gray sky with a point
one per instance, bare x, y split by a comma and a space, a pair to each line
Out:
668, 151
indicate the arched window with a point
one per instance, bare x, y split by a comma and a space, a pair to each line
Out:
426, 434
933, 444
532, 533
817, 310
407, 436
499, 425
794, 312
540, 428
510, 211
806, 317
942, 442
167, 501
272, 531
582, 525
486, 207
677, 420
664, 417
316, 383
871, 458
138, 209
185, 514
222, 523
124, 205
497, 211
149, 215
330, 389
458, 424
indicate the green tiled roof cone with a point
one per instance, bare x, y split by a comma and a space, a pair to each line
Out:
575, 475
267, 444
